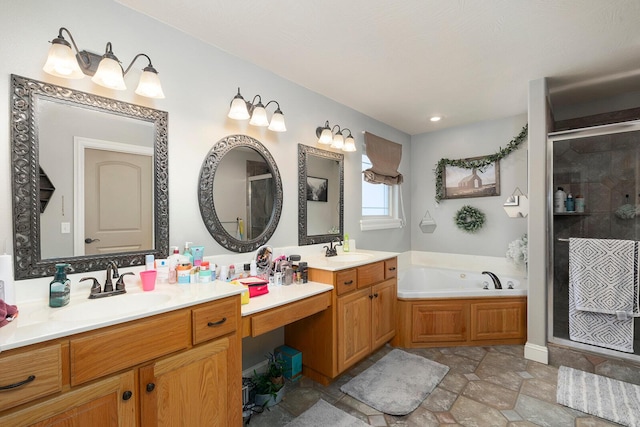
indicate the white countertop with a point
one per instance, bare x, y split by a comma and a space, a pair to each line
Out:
37, 322
346, 260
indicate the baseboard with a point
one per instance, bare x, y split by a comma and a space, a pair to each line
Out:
259, 367
537, 353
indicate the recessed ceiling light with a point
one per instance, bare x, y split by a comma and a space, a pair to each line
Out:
435, 118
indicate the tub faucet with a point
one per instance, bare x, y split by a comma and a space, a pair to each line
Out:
496, 281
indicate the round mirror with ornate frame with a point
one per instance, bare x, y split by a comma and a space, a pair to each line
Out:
240, 193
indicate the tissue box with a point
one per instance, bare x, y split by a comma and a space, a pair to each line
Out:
292, 362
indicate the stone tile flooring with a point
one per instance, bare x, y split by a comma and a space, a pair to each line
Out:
485, 386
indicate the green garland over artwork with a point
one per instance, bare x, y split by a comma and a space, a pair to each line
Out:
479, 164
469, 219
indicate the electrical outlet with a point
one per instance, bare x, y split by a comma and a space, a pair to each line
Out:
65, 227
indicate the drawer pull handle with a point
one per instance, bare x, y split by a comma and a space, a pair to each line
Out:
375, 295
151, 387
370, 296
219, 322
20, 384
392, 269
350, 282
127, 395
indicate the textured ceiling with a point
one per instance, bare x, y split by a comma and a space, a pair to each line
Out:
402, 61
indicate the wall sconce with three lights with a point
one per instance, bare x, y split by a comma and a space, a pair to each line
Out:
106, 69
242, 110
337, 140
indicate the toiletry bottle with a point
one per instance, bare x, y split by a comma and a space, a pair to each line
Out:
173, 265
187, 252
204, 276
253, 268
579, 203
149, 262
60, 287
559, 199
345, 243
571, 206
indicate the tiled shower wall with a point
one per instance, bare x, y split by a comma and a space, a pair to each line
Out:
605, 171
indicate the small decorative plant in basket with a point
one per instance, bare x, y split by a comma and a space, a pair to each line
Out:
269, 385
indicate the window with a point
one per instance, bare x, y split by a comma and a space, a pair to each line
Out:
379, 204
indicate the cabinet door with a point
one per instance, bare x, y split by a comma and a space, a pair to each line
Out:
354, 328
383, 312
498, 320
109, 403
188, 389
434, 322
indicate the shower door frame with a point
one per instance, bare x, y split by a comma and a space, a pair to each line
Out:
622, 127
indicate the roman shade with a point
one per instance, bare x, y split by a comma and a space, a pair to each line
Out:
385, 158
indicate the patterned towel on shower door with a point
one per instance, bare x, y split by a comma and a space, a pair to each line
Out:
603, 280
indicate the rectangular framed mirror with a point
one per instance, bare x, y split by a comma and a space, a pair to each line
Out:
320, 195
90, 180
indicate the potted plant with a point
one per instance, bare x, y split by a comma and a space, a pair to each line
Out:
269, 385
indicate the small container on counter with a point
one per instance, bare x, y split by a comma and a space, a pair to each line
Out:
183, 271
204, 276
304, 271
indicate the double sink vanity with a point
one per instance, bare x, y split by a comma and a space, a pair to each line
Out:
173, 356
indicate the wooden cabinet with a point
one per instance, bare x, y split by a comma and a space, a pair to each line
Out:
461, 321
361, 319
178, 368
187, 389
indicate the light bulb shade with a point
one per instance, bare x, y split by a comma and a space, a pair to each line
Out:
338, 141
349, 144
109, 74
149, 84
277, 122
259, 116
61, 61
326, 137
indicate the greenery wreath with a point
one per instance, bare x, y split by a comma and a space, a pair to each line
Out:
479, 164
469, 219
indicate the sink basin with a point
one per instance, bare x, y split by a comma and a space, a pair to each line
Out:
118, 305
349, 257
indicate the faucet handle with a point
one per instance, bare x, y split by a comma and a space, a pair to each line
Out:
120, 282
95, 288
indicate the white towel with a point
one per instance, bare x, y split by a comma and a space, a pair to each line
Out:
603, 285
604, 275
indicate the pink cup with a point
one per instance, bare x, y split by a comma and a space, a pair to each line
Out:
148, 279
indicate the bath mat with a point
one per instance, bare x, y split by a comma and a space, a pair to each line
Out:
397, 383
603, 397
323, 414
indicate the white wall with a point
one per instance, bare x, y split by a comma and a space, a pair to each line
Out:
199, 81
473, 140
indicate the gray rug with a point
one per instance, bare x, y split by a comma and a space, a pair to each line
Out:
397, 383
603, 397
323, 414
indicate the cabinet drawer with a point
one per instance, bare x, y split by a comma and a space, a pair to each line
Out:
117, 348
215, 319
346, 281
370, 274
390, 268
40, 371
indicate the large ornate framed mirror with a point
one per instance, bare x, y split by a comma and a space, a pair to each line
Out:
320, 195
74, 160
240, 193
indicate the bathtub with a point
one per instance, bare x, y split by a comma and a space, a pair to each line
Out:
439, 307
418, 282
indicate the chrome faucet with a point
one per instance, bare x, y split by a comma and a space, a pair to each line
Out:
496, 281
112, 273
332, 250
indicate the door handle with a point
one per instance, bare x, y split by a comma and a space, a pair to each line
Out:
89, 240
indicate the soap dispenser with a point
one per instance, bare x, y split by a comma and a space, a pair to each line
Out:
187, 252
60, 287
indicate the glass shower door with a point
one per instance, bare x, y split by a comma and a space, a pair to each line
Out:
601, 166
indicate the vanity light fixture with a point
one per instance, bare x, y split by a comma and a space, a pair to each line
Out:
242, 110
105, 69
337, 140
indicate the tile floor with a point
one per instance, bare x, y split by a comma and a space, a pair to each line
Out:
486, 386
